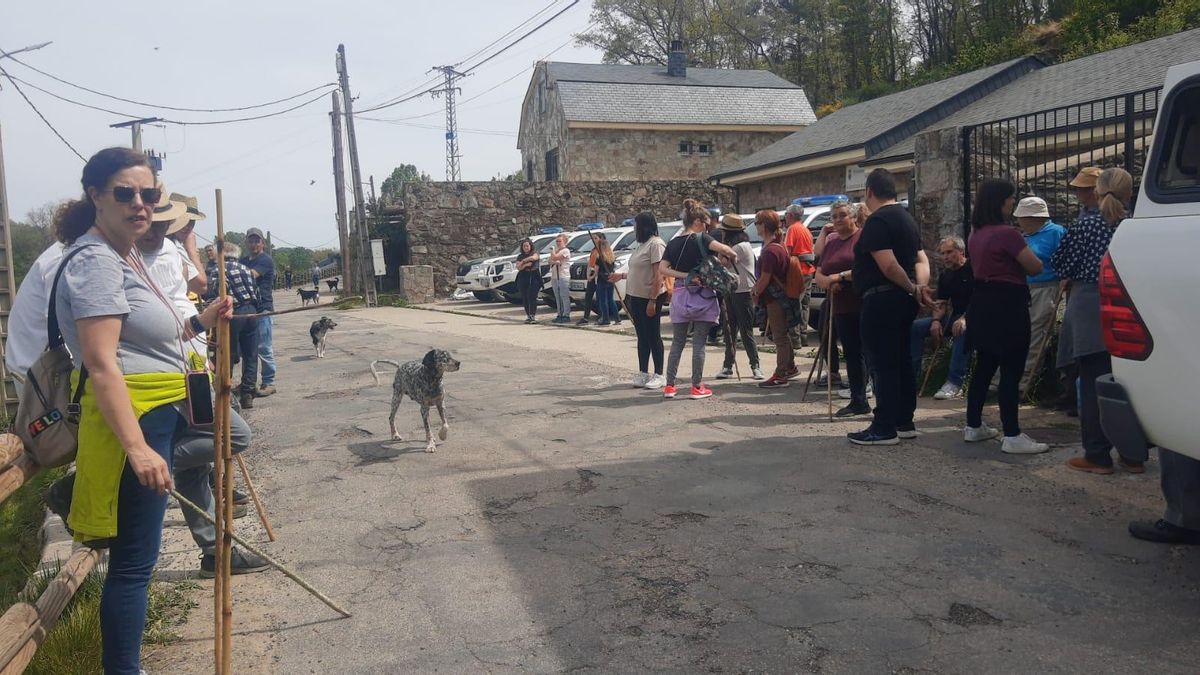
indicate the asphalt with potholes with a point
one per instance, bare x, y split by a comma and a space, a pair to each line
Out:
571, 522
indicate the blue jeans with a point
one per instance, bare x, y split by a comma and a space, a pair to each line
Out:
958, 351
134, 552
607, 305
243, 333
266, 352
193, 464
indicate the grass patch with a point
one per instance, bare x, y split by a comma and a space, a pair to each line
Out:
388, 300
73, 647
21, 517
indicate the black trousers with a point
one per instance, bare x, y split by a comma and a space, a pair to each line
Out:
1096, 446
1011, 366
1181, 488
886, 328
649, 333
847, 329
531, 289
740, 315
588, 296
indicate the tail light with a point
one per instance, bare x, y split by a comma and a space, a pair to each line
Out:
1125, 334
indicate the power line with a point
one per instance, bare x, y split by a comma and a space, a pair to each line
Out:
39, 114
167, 107
167, 121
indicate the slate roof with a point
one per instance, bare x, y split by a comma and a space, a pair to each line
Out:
1113, 73
647, 95
673, 104
863, 123
655, 74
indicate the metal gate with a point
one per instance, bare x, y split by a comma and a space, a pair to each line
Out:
1041, 152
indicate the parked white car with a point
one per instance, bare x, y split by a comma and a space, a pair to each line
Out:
500, 274
615, 236
476, 275
1147, 286
576, 241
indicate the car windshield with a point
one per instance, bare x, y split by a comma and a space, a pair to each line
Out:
752, 233
588, 245
628, 242
539, 244
577, 242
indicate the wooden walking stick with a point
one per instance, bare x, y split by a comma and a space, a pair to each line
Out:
818, 362
274, 563
937, 349
222, 587
262, 512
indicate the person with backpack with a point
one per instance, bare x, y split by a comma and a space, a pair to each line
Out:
739, 308
131, 342
771, 291
694, 308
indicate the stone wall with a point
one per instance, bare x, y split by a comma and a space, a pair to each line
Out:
449, 223
625, 154
779, 192
416, 284
938, 202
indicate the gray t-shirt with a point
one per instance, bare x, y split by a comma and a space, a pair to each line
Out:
97, 282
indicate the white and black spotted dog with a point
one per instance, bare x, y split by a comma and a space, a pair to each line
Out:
422, 382
317, 331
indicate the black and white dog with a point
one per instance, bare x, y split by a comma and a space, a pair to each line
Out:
332, 284
313, 296
317, 331
422, 381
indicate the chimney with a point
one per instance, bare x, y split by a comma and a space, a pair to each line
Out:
677, 60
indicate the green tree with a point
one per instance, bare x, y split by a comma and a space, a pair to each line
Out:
390, 189
31, 237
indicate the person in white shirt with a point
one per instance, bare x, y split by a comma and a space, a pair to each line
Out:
27, 321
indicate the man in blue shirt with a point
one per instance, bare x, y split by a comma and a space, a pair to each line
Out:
263, 268
1043, 236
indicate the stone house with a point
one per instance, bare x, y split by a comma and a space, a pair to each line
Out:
598, 122
835, 154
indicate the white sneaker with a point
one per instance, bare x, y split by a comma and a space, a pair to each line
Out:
980, 433
947, 392
640, 380
725, 374
1022, 445
757, 374
656, 382
844, 394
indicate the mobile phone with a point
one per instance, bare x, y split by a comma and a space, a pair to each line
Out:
199, 396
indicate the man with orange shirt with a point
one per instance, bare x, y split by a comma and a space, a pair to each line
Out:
799, 243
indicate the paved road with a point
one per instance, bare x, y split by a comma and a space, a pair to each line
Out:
573, 523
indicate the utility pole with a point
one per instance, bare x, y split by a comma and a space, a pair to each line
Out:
366, 269
8, 290
374, 204
135, 126
452, 155
339, 191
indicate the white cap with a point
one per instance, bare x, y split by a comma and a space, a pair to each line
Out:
1032, 207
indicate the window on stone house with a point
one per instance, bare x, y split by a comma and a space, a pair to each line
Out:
529, 171
541, 95
552, 165
685, 147
704, 148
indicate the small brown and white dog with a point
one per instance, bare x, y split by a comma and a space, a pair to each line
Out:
317, 331
422, 381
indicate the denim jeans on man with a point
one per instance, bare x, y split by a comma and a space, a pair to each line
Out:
266, 350
193, 464
958, 352
244, 335
886, 325
134, 551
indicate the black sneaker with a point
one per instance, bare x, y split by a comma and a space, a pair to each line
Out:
823, 381
582, 322
853, 409
58, 498
871, 437
246, 400
1162, 532
240, 563
906, 431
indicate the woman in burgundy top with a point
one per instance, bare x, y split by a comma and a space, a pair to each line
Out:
773, 264
998, 316
835, 275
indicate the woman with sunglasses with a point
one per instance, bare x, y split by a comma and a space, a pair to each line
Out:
133, 344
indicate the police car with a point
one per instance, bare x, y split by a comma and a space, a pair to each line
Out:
500, 274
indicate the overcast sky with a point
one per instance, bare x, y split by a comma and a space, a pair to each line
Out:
223, 54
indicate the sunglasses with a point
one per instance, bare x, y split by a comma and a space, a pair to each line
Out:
125, 194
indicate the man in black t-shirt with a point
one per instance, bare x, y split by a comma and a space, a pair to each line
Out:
955, 285
890, 270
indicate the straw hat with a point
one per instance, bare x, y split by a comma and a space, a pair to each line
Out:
1086, 178
732, 221
166, 210
1032, 207
191, 212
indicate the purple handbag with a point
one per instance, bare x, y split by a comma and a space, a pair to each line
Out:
693, 303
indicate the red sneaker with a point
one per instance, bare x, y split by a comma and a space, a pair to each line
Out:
701, 392
773, 382
669, 391
793, 373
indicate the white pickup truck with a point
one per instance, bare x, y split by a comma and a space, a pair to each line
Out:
1148, 288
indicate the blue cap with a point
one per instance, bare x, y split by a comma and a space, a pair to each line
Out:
819, 200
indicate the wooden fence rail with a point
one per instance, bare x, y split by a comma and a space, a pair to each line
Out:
24, 626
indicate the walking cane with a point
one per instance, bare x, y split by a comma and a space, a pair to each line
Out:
728, 334
821, 349
937, 349
262, 512
829, 352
